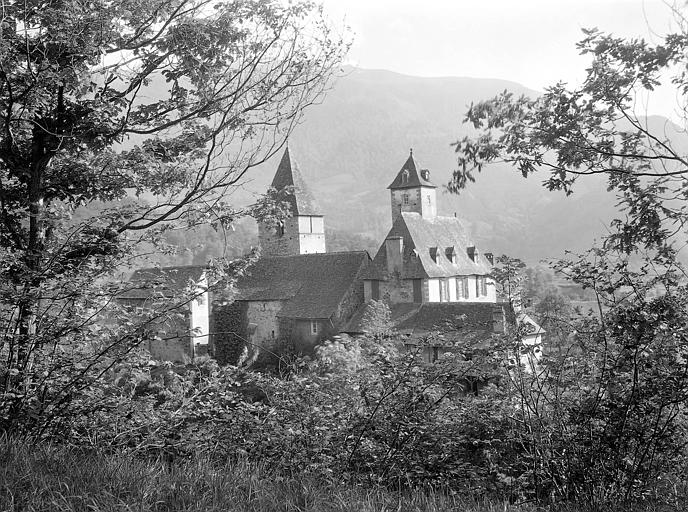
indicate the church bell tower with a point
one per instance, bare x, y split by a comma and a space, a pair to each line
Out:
412, 191
304, 231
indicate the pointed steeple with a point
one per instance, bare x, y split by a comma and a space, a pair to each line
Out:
412, 191
288, 175
304, 231
409, 176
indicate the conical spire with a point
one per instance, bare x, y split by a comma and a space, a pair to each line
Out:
288, 175
410, 177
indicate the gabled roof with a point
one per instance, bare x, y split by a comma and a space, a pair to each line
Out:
301, 200
452, 320
420, 236
311, 285
162, 281
409, 176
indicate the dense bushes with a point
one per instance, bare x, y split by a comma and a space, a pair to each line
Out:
603, 420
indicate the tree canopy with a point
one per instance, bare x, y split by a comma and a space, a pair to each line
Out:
148, 114
597, 128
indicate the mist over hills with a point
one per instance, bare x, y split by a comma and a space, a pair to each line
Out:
351, 146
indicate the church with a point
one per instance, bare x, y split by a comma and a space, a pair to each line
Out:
427, 269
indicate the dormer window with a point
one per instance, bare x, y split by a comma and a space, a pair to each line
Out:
404, 176
472, 253
433, 254
451, 254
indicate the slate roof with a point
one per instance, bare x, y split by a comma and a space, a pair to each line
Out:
162, 281
415, 179
301, 200
312, 285
420, 236
453, 320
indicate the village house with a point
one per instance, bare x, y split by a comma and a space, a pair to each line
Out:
428, 270
297, 294
432, 275
178, 333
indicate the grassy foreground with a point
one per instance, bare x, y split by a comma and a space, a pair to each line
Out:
47, 478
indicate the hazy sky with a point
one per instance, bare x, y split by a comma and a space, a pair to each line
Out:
532, 42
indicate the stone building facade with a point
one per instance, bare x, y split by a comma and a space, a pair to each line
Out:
432, 275
181, 297
297, 293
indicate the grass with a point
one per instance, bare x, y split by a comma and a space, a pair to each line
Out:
48, 477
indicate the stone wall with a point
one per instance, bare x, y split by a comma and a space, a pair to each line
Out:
417, 202
264, 315
274, 244
396, 290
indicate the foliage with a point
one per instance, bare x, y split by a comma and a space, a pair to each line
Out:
508, 273
377, 319
148, 114
604, 417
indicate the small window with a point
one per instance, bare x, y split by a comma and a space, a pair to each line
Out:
273, 335
280, 229
405, 176
429, 201
314, 327
462, 287
435, 354
405, 198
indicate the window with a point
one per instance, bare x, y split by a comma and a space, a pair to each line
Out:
444, 295
480, 286
280, 229
429, 201
273, 335
405, 198
314, 327
404, 176
462, 287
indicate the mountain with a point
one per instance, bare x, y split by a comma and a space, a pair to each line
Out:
351, 146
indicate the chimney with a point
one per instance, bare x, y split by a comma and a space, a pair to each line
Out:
472, 253
490, 257
394, 246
